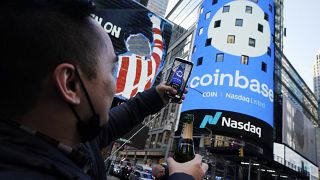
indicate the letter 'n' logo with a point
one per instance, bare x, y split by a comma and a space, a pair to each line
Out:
211, 120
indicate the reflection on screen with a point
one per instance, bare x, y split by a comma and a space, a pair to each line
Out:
179, 75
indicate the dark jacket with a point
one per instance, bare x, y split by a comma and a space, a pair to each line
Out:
24, 156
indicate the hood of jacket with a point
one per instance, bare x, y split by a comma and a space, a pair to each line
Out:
22, 151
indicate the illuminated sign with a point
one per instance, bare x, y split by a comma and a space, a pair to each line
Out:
298, 131
233, 73
140, 40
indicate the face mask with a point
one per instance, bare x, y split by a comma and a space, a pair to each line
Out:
90, 129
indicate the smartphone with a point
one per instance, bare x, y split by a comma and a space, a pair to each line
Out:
178, 77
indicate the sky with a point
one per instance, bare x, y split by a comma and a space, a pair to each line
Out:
302, 21
303, 36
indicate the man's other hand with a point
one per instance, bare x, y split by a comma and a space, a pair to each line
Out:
195, 167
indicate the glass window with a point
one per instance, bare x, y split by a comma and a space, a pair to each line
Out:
245, 59
208, 15
173, 107
217, 23
208, 42
260, 27
266, 16
252, 42
166, 137
200, 31
147, 176
226, 9
214, 2
194, 49
152, 141
264, 66
269, 51
239, 22
159, 142
219, 57
186, 48
231, 39
199, 61
201, 10
249, 9
256, 1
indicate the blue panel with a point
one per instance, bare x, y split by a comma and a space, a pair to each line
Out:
228, 32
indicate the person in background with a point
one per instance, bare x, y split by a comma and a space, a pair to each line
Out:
158, 171
57, 88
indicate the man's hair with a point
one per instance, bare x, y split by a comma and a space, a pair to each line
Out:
156, 169
35, 39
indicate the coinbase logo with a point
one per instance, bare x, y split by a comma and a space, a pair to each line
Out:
237, 21
179, 73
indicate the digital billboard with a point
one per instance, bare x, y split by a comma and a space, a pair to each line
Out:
231, 85
293, 160
140, 40
298, 131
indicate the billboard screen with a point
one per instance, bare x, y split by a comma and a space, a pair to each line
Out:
140, 40
298, 131
293, 160
231, 86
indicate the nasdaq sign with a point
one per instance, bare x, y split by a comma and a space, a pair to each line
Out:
234, 64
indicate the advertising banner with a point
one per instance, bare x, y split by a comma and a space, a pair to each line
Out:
231, 85
293, 160
140, 39
298, 131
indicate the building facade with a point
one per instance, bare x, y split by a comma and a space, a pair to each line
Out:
294, 154
316, 75
157, 6
296, 120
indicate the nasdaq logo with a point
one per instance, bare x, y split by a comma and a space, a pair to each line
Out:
230, 123
208, 119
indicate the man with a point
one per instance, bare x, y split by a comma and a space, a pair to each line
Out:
158, 171
57, 87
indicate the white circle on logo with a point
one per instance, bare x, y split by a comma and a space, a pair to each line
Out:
179, 73
253, 22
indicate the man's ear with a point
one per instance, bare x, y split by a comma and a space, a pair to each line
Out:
67, 82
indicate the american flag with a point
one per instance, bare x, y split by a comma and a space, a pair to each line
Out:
136, 73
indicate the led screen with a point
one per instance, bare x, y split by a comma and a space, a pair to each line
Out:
140, 39
298, 131
293, 160
231, 85
178, 76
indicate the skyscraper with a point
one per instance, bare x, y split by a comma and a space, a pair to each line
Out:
158, 6
143, 2
316, 75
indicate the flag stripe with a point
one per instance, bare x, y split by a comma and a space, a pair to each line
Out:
121, 81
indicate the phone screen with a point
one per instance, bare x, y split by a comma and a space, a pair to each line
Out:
179, 76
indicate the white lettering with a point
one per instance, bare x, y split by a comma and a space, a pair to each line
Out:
228, 122
194, 82
203, 79
265, 90
116, 31
243, 78
98, 19
255, 86
238, 81
108, 27
209, 94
